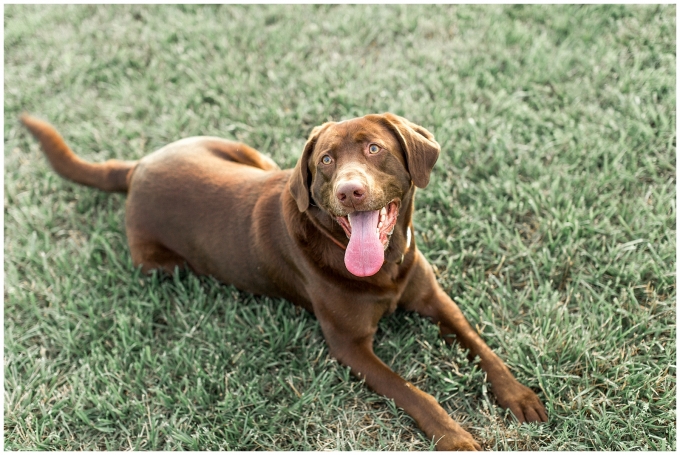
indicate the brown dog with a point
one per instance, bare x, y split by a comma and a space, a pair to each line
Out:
333, 235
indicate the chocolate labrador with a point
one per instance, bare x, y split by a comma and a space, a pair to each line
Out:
334, 235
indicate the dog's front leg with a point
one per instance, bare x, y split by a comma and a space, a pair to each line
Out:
426, 297
352, 345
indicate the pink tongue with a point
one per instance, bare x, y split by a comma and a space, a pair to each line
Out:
365, 253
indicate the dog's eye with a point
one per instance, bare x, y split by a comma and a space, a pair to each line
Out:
373, 148
326, 159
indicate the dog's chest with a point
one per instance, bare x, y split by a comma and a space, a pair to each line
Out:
382, 304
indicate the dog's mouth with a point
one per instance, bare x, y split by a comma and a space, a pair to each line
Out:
369, 235
382, 221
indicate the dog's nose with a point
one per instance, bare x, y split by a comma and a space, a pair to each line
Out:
351, 193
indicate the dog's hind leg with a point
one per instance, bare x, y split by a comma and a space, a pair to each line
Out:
241, 153
151, 255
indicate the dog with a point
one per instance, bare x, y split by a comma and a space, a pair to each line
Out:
333, 235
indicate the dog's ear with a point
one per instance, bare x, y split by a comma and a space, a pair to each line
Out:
300, 180
419, 146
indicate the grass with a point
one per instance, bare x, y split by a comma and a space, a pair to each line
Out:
550, 219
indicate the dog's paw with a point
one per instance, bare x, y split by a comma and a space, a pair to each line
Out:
451, 436
461, 440
523, 403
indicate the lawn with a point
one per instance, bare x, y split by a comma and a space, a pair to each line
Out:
550, 219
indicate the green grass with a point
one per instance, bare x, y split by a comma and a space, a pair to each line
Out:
550, 219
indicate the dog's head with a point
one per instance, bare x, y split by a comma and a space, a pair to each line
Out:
358, 171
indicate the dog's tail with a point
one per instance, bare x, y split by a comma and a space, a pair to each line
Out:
112, 175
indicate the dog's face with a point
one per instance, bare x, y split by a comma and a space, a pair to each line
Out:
358, 166
358, 171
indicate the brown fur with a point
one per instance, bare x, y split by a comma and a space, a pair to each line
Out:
224, 210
